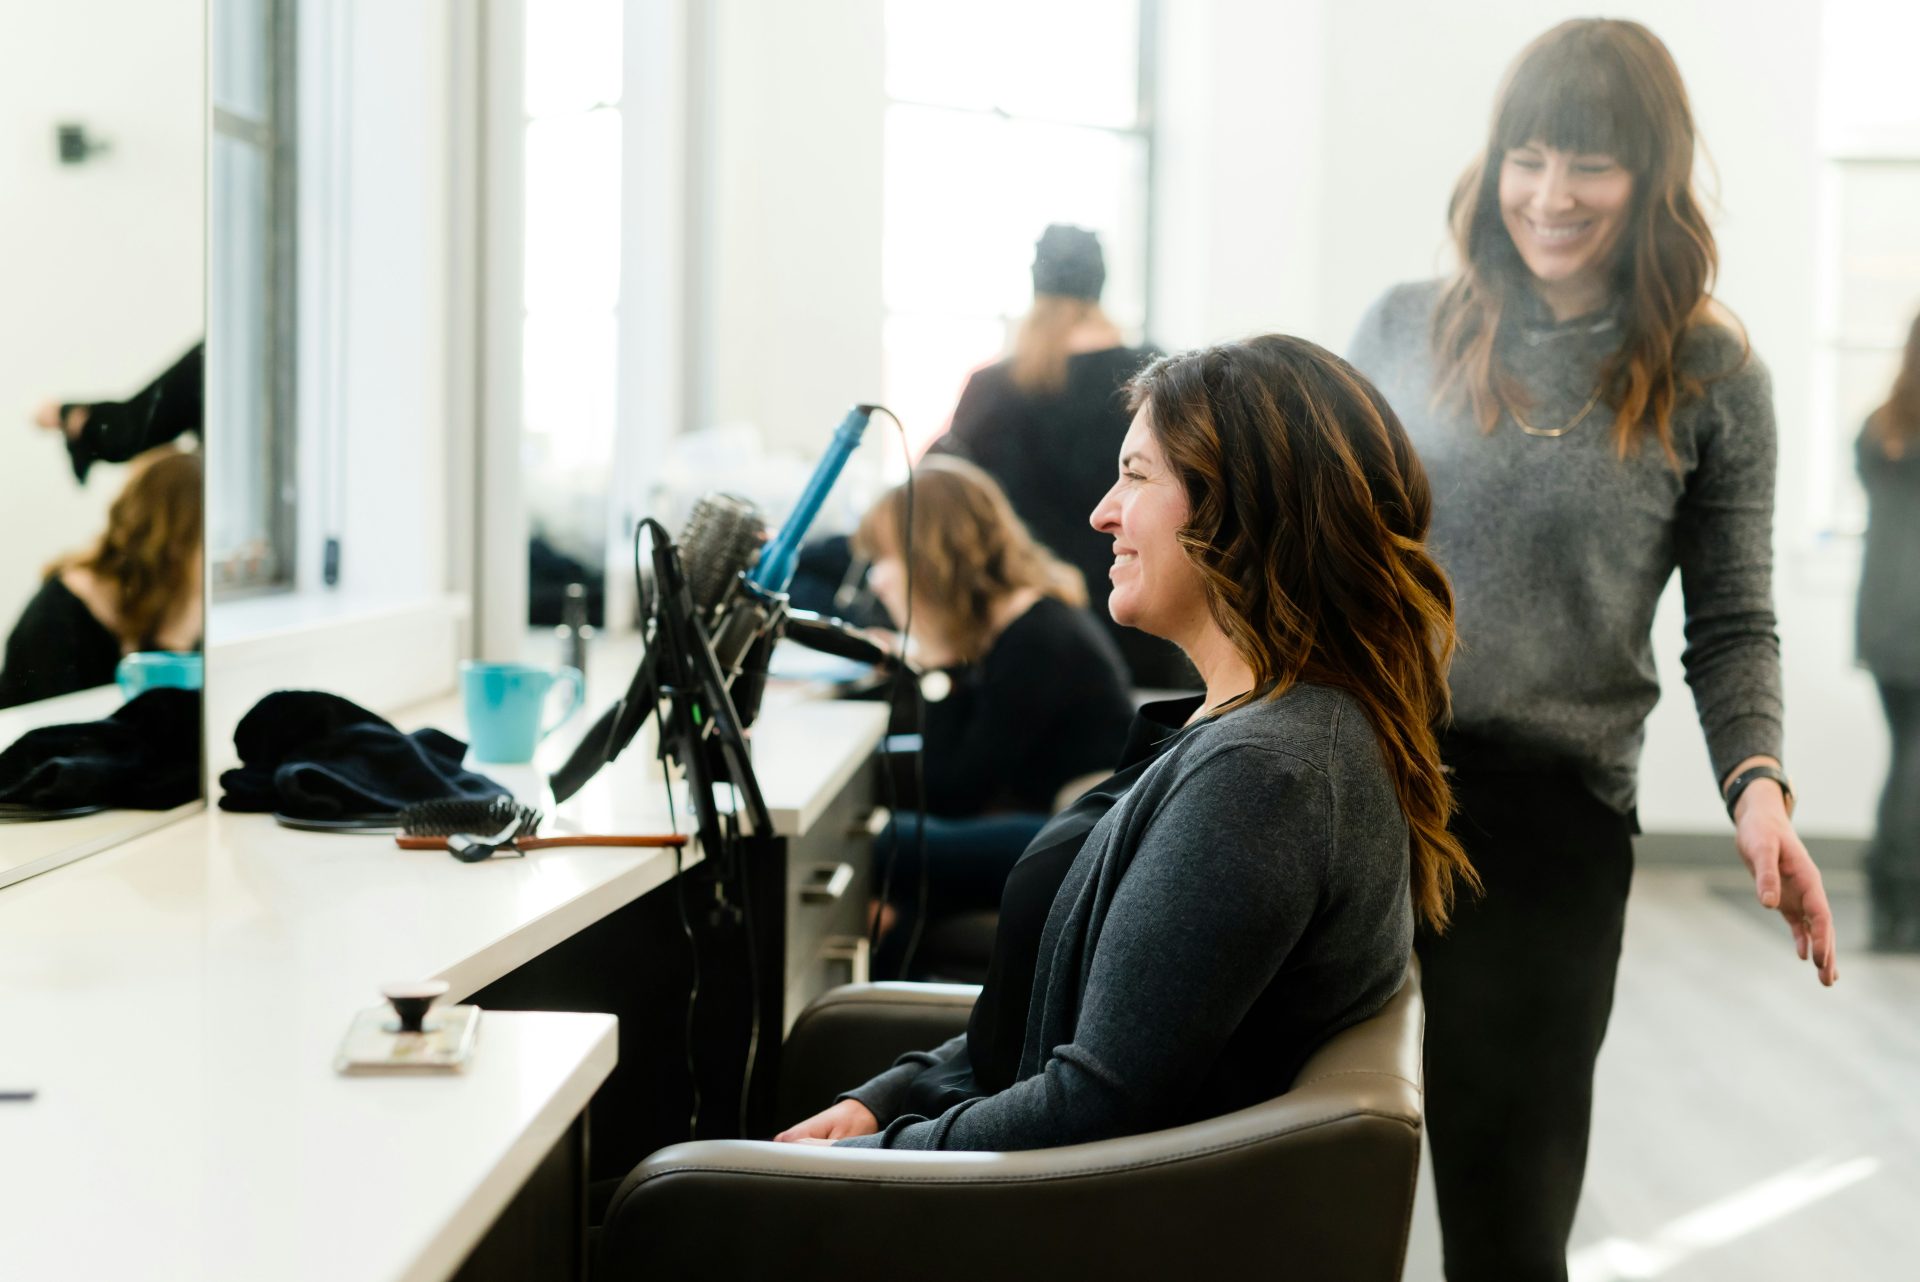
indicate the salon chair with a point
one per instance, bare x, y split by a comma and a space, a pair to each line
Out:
1317, 1183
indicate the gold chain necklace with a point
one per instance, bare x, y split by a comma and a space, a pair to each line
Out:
1570, 424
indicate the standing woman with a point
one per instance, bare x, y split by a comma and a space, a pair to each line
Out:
1888, 455
1591, 421
1047, 421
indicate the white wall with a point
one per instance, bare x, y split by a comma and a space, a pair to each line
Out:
1404, 90
101, 261
791, 265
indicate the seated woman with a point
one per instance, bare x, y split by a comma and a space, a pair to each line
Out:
1038, 693
136, 588
1176, 943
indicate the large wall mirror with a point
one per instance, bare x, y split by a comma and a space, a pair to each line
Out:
101, 594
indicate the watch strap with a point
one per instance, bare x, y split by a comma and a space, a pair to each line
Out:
1742, 781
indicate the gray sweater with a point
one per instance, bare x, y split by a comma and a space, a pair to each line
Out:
1559, 550
1889, 619
1244, 900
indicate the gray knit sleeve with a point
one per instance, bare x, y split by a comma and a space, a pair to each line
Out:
884, 1096
1376, 341
1724, 546
1220, 889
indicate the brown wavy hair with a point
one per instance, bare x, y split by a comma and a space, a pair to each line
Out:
1897, 423
150, 552
970, 552
1308, 515
1595, 85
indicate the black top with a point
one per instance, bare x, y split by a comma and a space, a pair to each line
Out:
115, 431
990, 1061
1046, 705
1056, 456
57, 647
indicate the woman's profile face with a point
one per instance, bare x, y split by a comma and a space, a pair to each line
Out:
1566, 211
1155, 587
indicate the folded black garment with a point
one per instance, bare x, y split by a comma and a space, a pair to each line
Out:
146, 756
311, 755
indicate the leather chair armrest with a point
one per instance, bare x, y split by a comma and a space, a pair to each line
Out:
853, 1032
1308, 1180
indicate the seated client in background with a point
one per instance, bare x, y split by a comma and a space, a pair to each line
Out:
1176, 943
1038, 694
136, 588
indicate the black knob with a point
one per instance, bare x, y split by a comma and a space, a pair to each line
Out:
410, 1002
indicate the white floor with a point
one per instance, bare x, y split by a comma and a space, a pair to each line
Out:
1748, 1124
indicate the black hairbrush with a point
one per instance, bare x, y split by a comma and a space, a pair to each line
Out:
471, 828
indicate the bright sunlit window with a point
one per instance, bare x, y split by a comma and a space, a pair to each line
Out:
1003, 116
572, 269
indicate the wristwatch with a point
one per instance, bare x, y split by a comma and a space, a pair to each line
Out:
1741, 781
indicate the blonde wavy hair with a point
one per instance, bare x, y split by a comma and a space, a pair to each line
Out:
970, 552
149, 555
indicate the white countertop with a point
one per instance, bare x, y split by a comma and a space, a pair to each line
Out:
176, 1001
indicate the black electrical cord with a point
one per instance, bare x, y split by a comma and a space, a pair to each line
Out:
919, 714
645, 597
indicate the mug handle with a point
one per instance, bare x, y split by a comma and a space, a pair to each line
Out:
576, 695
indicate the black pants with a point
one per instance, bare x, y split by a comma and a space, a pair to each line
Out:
1518, 991
1893, 859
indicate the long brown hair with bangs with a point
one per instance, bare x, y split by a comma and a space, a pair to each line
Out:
970, 552
1593, 85
150, 554
1308, 513
1897, 423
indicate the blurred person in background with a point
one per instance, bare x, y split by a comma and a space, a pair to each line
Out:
1888, 456
1591, 420
1046, 421
1036, 696
136, 588
114, 431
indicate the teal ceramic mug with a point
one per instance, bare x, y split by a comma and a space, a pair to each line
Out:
505, 704
145, 670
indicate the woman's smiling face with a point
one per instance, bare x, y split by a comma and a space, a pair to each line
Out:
1566, 212
1155, 586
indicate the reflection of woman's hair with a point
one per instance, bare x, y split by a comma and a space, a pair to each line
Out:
1592, 85
1308, 519
149, 555
969, 550
1897, 423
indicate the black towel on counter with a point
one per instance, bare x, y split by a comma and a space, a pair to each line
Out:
146, 756
312, 755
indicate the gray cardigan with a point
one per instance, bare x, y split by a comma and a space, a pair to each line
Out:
1246, 899
1889, 618
1558, 549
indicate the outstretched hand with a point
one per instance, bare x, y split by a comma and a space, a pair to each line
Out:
1784, 875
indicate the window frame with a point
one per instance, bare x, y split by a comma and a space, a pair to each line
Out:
276, 138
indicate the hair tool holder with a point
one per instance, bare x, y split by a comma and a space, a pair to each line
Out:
698, 674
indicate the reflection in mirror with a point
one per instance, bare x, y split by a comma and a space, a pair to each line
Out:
100, 523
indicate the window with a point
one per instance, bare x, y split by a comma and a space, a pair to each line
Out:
250, 532
1870, 221
569, 360
1004, 116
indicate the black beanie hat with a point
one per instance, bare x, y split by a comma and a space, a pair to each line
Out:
1067, 261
